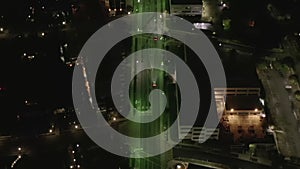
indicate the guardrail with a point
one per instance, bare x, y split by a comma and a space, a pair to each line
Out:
198, 133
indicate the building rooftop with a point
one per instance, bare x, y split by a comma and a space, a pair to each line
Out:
243, 102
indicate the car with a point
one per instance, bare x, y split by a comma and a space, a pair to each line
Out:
288, 86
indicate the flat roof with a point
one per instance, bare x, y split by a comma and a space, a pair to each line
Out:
243, 102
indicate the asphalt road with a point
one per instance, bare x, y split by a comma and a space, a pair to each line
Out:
194, 153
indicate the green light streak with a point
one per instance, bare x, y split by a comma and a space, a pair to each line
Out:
142, 86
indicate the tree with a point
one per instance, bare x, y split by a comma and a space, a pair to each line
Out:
288, 61
297, 95
293, 79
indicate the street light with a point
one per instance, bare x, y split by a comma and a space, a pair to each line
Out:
179, 166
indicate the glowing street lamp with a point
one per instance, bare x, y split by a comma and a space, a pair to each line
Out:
263, 115
179, 166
